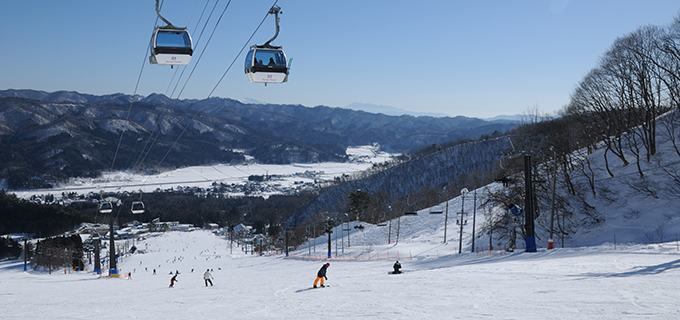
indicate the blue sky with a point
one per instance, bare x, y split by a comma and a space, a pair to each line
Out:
471, 58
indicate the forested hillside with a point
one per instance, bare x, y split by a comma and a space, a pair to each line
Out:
48, 137
22, 216
610, 158
410, 184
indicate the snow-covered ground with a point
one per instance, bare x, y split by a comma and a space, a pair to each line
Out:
600, 282
628, 267
285, 177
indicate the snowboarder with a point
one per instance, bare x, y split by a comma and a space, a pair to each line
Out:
321, 275
396, 267
173, 280
207, 276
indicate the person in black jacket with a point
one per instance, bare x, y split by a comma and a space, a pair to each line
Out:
321, 275
396, 267
173, 280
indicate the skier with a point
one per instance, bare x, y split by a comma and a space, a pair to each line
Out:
173, 280
396, 267
207, 276
321, 275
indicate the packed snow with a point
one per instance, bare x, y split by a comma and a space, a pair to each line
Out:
600, 282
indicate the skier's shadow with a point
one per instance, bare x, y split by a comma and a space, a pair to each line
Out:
640, 271
307, 289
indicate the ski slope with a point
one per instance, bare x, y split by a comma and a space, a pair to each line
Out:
601, 282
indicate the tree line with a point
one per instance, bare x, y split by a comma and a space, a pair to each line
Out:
627, 103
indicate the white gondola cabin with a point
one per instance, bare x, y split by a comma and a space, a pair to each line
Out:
171, 46
105, 207
137, 207
266, 65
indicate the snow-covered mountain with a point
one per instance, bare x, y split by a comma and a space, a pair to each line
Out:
50, 137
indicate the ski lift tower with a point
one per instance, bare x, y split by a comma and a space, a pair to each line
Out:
527, 145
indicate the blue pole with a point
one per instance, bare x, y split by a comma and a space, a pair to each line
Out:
531, 244
329, 231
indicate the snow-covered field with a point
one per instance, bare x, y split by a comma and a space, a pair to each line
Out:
601, 282
286, 176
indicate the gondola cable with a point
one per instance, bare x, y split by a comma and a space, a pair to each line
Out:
215, 87
189, 77
145, 152
209, 95
200, 36
198, 22
127, 116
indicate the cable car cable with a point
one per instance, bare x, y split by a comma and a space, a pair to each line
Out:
202, 52
189, 77
199, 38
216, 85
127, 117
197, 42
143, 154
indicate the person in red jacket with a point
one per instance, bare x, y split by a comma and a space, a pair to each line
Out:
321, 275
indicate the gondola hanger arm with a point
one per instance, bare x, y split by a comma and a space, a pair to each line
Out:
158, 11
275, 10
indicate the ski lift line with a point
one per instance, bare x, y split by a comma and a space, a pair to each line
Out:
127, 116
200, 35
214, 88
196, 45
198, 22
170, 82
203, 51
139, 162
184, 67
194, 11
216, 85
148, 49
139, 77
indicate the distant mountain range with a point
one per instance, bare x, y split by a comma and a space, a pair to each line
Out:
52, 136
389, 111
392, 111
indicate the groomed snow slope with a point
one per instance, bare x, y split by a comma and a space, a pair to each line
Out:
602, 282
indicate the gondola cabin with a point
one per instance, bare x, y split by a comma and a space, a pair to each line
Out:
137, 207
105, 207
266, 65
171, 46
